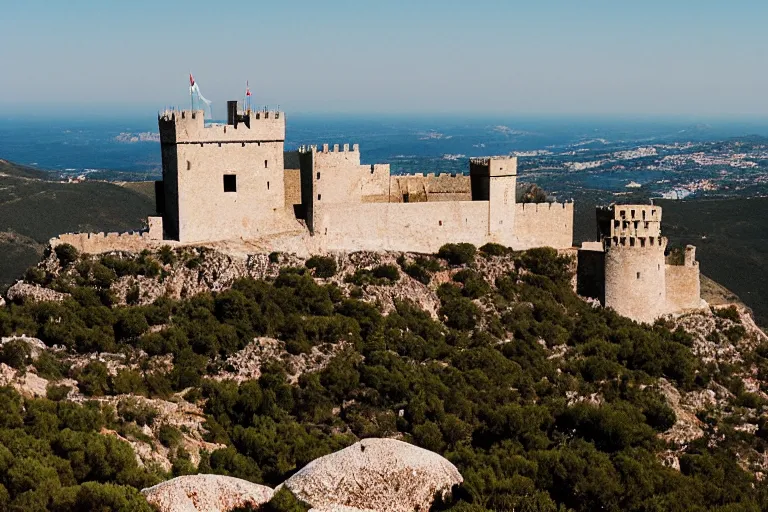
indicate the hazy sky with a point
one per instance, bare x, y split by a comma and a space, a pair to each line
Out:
693, 57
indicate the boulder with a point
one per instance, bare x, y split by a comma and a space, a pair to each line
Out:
22, 291
375, 474
206, 493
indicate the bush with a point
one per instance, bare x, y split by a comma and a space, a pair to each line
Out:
381, 275
460, 313
167, 256
420, 269
133, 295
16, 354
324, 266
457, 254
169, 436
130, 409
67, 254
492, 249
35, 275
388, 272
93, 379
729, 313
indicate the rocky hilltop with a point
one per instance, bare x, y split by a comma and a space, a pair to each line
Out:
368, 381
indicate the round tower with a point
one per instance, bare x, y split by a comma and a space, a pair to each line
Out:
635, 272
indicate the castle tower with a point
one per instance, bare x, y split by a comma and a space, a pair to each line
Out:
221, 181
494, 179
635, 273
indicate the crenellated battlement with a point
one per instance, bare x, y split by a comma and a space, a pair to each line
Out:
327, 148
545, 206
190, 127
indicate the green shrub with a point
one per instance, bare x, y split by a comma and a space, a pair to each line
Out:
282, 501
67, 254
35, 275
57, 393
388, 272
380, 275
93, 379
493, 249
128, 381
133, 295
729, 313
16, 354
460, 313
324, 266
169, 436
167, 256
49, 366
457, 254
131, 409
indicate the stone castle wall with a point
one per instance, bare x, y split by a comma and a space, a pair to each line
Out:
544, 224
683, 287
430, 188
419, 227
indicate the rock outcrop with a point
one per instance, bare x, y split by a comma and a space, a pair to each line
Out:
206, 493
22, 291
375, 474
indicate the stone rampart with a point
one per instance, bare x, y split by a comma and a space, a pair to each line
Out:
683, 288
418, 227
414, 188
97, 243
544, 224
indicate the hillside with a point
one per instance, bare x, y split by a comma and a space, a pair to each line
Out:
35, 208
189, 360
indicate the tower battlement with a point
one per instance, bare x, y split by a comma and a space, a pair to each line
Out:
327, 148
493, 166
627, 271
189, 126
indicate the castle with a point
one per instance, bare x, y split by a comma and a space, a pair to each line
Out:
627, 269
225, 183
236, 181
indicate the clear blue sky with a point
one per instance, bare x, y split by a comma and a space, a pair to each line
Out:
691, 57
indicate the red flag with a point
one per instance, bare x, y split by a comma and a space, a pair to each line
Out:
191, 80
247, 89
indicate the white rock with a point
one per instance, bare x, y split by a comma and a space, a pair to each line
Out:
206, 493
375, 474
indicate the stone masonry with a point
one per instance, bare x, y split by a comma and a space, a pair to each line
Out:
627, 271
234, 181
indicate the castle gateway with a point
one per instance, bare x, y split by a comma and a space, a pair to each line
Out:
235, 181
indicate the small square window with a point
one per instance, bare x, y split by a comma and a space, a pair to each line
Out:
230, 183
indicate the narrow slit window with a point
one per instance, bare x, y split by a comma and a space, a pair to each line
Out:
266, 163
230, 183
319, 196
318, 175
189, 165
638, 275
267, 185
